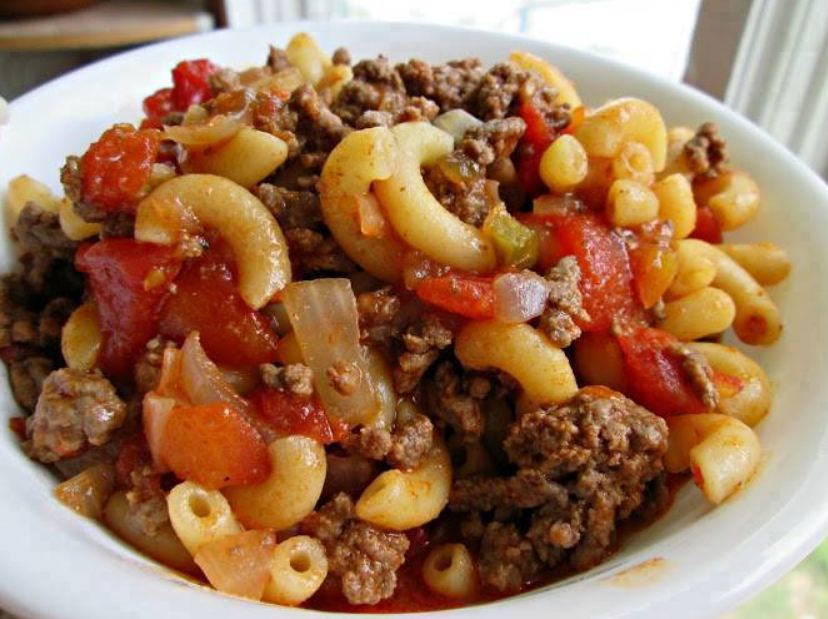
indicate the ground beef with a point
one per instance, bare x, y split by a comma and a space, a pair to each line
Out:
26, 376
38, 230
422, 341
507, 559
699, 373
312, 251
604, 449
497, 92
20, 325
344, 377
460, 185
493, 140
379, 315
706, 152
75, 409
277, 59
147, 369
411, 441
450, 400
341, 56
292, 209
364, 558
51, 320
448, 85
295, 378
317, 127
272, 114
370, 442
376, 86
564, 304
224, 80
527, 488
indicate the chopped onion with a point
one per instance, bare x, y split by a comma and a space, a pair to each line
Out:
203, 382
557, 205
371, 218
238, 564
519, 297
457, 123
218, 129
324, 317
156, 413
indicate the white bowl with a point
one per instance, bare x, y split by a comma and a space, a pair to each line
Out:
55, 564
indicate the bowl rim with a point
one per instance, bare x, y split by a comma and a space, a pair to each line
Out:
37, 598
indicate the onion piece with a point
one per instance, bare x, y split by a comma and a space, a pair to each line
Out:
218, 129
88, 491
203, 382
372, 222
156, 414
457, 123
324, 317
238, 564
549, 204
519, 297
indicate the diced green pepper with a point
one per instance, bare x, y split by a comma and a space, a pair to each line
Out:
516, 245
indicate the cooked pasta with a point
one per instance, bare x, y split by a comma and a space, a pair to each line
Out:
335, 334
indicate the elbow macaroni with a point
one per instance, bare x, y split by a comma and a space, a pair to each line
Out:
722, 452
449, 570
757, 318
606, 130
305, 54
164, 546
525, 353
360, 159
400, 500
733, 197
182, 204
750, 398
551, 75
415, 213
297, 570
80, 338
298, 469
704, 312
247, 158
766, 263
676, 203
200, 516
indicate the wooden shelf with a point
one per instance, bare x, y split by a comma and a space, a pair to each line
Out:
109, 24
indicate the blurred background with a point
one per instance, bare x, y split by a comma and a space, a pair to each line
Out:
768, 59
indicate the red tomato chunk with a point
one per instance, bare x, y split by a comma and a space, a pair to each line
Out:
289, 414
129, 280
654, 374
707, 228
467, 295
215, 446
606, 279
116, 168
537, 137
206, 300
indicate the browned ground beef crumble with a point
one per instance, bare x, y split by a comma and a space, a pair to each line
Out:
561, 478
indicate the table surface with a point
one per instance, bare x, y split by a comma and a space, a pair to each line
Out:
108, 24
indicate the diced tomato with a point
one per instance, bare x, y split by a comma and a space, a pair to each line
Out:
537, 137
116, 168
467, 295
654, 374
191, 84
129, 280
207, 300
707, 228
606, 279
215, 446
289, 414
156, 107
